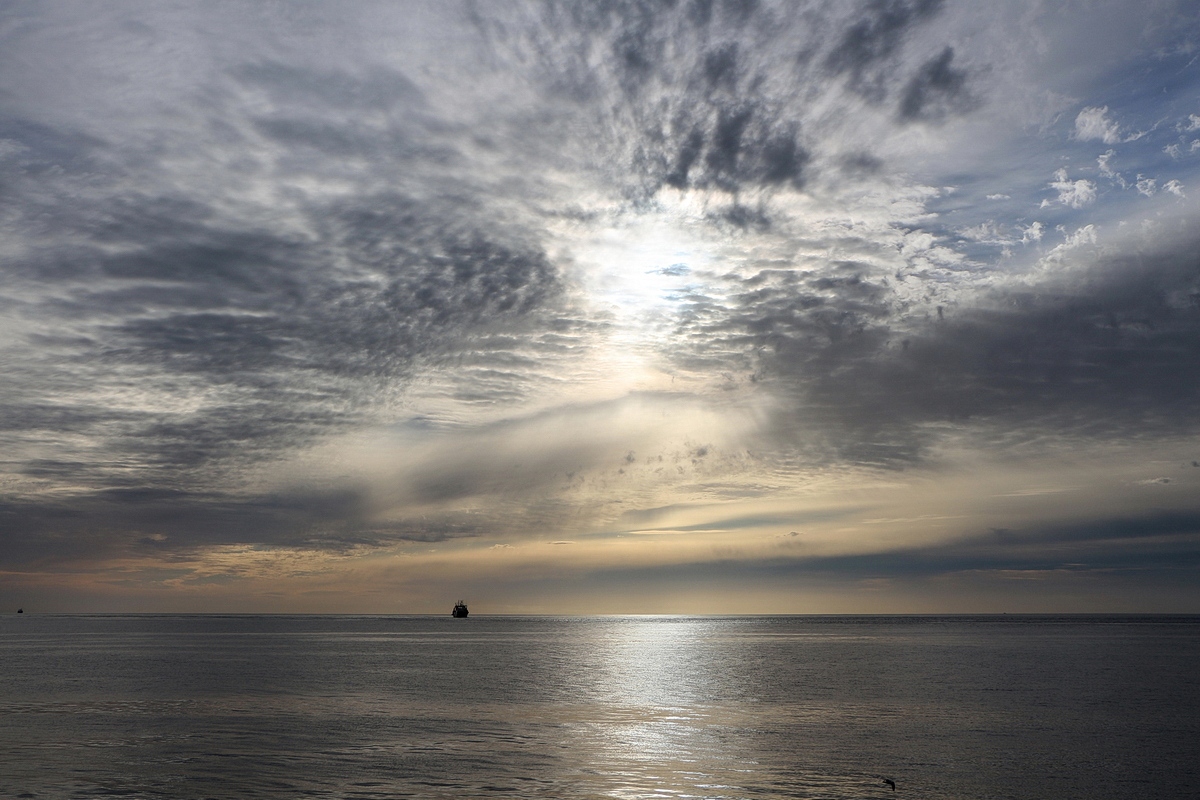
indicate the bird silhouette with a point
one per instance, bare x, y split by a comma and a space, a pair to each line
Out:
890, 783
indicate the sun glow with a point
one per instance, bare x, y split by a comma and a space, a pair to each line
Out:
640, 268
637, 273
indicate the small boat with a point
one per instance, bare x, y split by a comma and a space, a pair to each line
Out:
460, 609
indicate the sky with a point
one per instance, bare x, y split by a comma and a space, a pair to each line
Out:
686, 306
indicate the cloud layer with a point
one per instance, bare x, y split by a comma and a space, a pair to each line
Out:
343, 287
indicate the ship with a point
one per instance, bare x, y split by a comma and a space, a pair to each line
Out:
460, 609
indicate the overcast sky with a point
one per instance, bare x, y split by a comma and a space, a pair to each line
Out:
681, 306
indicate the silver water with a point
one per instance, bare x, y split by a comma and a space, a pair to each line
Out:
599, 707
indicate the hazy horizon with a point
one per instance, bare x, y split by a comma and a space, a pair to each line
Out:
706, 306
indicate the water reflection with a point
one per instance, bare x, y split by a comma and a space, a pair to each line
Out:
595, 707
658, 662
656, 727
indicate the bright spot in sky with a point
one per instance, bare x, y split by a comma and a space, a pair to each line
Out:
640, 268
636, 273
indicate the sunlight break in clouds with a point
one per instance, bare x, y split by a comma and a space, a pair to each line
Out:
759, 305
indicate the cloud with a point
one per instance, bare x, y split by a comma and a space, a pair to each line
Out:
937, 90
1101, 354
687, 109
1075, 194
690, 110
872, 39
1098, 543
1083, 235
279, 320
1093, 123
1104, 161
319, 233
242, 315
521, 271
111, 523
1102, 557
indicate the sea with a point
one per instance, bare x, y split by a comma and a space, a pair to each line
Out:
207, 706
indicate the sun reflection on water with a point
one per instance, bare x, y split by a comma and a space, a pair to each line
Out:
660, 730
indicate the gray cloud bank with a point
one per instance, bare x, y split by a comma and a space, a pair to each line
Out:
234, 235
1106, 354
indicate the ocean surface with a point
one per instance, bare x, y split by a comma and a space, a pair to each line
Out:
599, 707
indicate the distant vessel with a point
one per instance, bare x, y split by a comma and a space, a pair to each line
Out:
460, 609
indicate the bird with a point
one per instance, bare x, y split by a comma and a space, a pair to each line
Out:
890, 783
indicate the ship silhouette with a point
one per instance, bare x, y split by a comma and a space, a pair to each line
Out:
460, 609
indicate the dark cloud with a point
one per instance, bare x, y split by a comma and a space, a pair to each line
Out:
690, 109
739, 154
689, 153
1184, 525
722, 159
732, 151
107, 523
873, 38
277, 325
861, 164
288, 330
1150, 541
1108, 352
42, 149
379, 90
721, 67
1152, 547
1105, 355
373, 113
936, 90
693, 95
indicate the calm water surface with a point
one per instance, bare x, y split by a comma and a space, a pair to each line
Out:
599, 707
